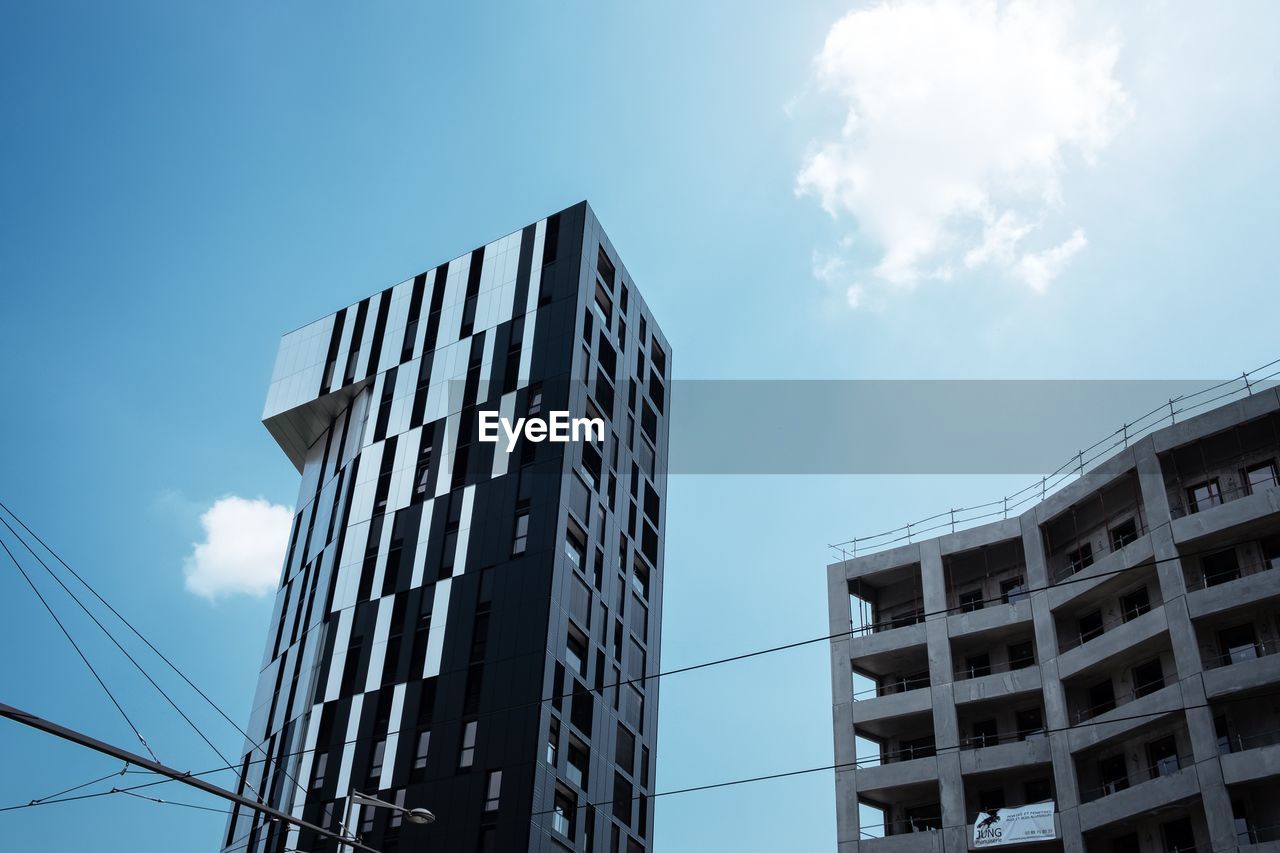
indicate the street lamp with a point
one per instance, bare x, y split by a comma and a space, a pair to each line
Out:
419, 815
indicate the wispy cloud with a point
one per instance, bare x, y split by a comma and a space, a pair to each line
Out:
962, 119
243, 549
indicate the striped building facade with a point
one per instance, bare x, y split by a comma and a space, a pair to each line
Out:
457, 626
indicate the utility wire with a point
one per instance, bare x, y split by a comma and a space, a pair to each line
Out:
853, 764
176, 669
76, 646
41, 800
122, 649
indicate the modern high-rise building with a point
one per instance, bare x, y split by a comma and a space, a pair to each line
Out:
1108, 654
458, 627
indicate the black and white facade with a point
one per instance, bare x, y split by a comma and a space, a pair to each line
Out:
456, 625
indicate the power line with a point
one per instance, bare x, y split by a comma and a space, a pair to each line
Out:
257, 745
853, 764
76, 646
122, 649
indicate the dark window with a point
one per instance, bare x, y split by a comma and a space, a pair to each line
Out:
375, 762
971, 601
1204, 495
1220, 567
1113, 774
576, 652
991, 800
1162, 756
977, 665
1021, 655
1030, 723
1135, 604
1126, 844
467, 752
985, 733
1081, 558
322, 765
1259, 478
493, 790
1102, 698
578, 764
622, 799
605, 267
421, 750
1238, 644
1038, 790
624, 752
520, 538
1178, 836
553, 742
1090, 626
564, 812
1123, 533
1013, 590
1148, 677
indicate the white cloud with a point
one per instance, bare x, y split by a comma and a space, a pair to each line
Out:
962, 118
243, 551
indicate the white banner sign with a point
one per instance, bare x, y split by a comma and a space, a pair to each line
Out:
1014, 826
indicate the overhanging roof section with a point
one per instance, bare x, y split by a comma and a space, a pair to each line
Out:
296, 414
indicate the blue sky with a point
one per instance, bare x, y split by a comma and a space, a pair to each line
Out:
182, 183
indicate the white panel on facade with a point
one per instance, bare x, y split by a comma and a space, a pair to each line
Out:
435, 636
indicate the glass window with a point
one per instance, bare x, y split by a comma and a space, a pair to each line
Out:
467, 754
1013, 590
520, 539
421, 750
1259, 478
563, 812
1135, 604
493, 790
1081, 558
1148, 677
971, 601
1205, 495
1123, 533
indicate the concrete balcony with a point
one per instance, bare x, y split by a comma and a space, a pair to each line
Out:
1070, 587
1004, 756
895, 774
1242, 510
1114, 642
886, 640
1135, 800
1259, 586
1125, 717
911, 842
997, 684
892, 705
1245, 675
994, 616
1251, 764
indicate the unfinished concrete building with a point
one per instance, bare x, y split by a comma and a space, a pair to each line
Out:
1110, 651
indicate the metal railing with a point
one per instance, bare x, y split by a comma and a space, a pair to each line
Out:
983, 741
1120, 699
1071, 568
1108, 623
1170, 766
908, 753
1242, 653
901, 827
964, 517
964, 673
1013, 596
902, 685
903, 620
1181, 505
1239, 742
1204, 580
